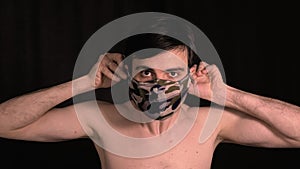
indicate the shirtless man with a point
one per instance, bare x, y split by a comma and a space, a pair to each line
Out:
248, 119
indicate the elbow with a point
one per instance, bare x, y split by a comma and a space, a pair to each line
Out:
293, 143
296, 140
6, 126
295, 134
293, 137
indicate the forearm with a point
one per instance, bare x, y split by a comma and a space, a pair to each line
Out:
23, 110
282, 116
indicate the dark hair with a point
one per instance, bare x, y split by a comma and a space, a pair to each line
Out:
139, 42
165, 26
159, 41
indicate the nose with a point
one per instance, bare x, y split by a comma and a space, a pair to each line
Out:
159, 74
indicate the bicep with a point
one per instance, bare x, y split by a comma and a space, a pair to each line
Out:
240, 128
58, 124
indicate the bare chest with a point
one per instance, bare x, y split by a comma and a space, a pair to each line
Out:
188, 154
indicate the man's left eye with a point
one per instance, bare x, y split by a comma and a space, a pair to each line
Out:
173, 74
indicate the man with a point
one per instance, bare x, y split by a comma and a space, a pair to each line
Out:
248, 119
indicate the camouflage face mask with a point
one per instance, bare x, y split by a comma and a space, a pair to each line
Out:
158, 99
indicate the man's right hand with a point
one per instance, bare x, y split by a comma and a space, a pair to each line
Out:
107, 71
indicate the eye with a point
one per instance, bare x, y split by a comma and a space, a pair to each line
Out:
146, 73
173, 74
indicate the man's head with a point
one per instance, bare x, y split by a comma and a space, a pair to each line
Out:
158, 68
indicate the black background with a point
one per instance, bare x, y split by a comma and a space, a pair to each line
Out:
40, 41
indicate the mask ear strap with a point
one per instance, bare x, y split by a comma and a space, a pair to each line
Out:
128, 74
188, 75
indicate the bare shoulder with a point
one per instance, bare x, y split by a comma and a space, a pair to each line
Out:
231, 116
93, 106
202, 112
207, 125
108, 109
112, 113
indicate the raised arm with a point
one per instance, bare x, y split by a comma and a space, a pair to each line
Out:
20, 114
33, 116
280, 116
250, 119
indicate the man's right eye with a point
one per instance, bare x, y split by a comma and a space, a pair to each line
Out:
146, 73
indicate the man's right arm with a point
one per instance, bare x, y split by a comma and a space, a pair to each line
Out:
32, 116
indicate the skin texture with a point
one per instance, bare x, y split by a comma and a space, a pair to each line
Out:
248, 119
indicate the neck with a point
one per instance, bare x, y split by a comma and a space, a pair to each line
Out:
157, 127
154, 127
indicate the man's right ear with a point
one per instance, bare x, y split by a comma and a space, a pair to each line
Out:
126, 69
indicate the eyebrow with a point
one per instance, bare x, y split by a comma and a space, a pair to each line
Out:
142, 67
168, 70
175, 69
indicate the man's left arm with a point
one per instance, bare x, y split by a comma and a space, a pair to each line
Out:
249, 118
278, 115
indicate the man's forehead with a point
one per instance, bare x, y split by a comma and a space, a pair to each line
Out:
164, 60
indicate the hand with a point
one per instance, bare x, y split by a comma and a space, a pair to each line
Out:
207, 83
107, 71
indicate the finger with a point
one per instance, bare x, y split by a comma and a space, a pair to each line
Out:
212, 70
204, 63
101, 57
104, 60
116, 57
199, 79
117, 71
193, 69
202, 68
201, 76
110, 57
109, 74
115, 64
204, 71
